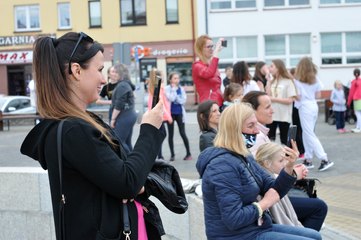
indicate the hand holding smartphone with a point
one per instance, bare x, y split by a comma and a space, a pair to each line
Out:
224, 43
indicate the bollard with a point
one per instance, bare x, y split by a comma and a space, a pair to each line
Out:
1, 121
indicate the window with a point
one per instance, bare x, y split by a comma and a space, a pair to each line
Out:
64, 16
133, 12
339, 1
290, 48
171, 11
341, 48
95, 14
27, 18
282, 3
235, 4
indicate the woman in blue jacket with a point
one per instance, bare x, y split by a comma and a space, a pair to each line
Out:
237, 191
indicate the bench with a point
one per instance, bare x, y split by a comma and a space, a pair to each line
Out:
7, 118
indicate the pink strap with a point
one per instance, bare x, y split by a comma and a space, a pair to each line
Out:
142, 231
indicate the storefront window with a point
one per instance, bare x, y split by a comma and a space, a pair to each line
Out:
185, 72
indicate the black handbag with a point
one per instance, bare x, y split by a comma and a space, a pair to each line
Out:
304, 188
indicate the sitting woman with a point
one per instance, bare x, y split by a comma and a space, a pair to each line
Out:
208, 118
232, 182
272, 157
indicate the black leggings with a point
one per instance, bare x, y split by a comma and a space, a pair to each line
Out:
284, 126
181, 126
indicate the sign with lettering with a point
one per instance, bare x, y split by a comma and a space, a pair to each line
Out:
20, 39
16, 57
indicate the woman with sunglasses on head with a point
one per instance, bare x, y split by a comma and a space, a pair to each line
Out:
205, 72
97, 174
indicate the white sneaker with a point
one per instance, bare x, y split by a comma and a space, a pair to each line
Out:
356, 130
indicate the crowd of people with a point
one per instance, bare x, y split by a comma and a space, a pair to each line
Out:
245, 175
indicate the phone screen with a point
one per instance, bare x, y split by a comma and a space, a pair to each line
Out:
156, 92
224, 43
292, 131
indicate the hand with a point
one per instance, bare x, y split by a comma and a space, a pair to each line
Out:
131, 200
301, 171
218, 47
112, 123
269, 199
154, 116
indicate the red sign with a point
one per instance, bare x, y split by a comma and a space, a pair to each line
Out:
16, 57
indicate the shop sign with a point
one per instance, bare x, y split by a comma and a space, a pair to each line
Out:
20, 39
170, 52
16, 57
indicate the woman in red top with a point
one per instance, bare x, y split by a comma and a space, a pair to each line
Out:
205, 72
355, 96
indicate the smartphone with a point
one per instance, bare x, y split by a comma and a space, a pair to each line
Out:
292, 132
156, 92
224, 43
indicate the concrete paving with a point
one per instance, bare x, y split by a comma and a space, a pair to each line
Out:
340, 186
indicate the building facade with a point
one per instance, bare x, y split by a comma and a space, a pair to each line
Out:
326, 30
159, 33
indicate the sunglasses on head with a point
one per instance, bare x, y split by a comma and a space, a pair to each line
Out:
81, 37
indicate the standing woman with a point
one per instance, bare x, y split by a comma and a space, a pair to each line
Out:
107, 90
97, 174
242, 76
308, 90
123, 114
208, 118
282, 91
205, 72
154, 75
177, 98
355, 96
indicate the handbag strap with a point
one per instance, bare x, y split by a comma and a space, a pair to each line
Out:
126, 230
62, 200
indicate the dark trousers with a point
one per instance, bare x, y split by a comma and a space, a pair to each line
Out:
284, 126
162, 129
124, 127
296, 121
311, 212
340, 119
181, 127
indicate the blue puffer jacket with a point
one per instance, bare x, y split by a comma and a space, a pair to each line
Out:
229, 190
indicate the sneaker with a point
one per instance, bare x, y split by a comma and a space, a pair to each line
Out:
340, 130
188, 157
308, 164
171, 159
356, 130
301, 157
325, 165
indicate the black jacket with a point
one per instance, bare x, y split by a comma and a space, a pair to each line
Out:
96, 176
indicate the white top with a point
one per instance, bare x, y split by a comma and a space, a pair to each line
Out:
282, 88
251, 85
306, 92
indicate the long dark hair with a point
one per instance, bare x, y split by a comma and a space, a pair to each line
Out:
241, 73
203, 112
50, 64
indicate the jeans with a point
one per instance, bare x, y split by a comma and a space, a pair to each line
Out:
124, 127
340, 119
282, 232
311, 212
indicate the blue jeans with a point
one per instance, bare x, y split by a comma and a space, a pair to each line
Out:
282, 232
340, 119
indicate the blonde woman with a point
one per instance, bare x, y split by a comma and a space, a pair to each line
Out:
282, 91
232, 182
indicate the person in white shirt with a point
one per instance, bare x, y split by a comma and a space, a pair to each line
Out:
309, 89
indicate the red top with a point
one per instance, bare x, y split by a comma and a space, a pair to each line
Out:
207, 81
355, 91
